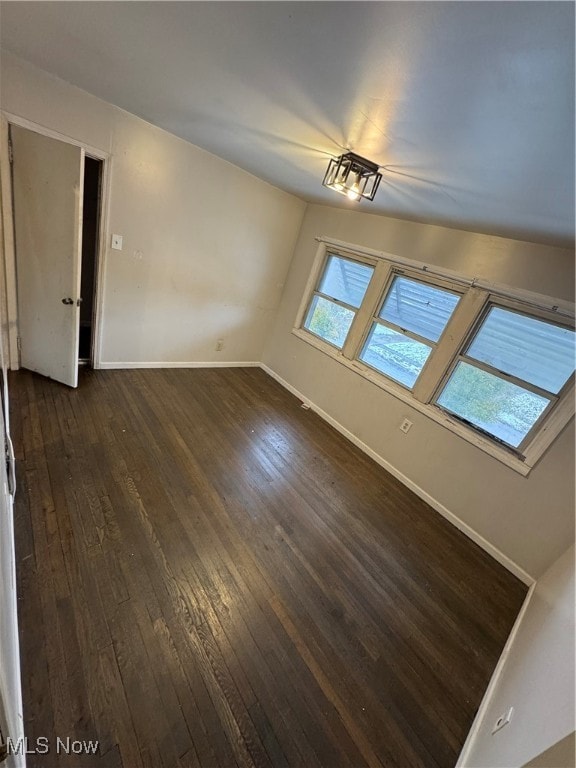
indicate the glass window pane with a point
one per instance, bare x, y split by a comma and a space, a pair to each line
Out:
394, 354
530, 349
497, 406
345, 280
329, 321
419, 308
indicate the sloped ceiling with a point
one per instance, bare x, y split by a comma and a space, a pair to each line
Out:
468, 106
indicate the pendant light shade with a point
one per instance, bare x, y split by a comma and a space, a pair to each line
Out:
353, 176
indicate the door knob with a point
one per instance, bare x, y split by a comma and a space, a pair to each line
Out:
68, 301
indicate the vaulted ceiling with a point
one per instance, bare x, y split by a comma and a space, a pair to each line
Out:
468, 106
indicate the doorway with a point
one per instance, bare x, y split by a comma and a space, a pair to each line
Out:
90, 245
57, 191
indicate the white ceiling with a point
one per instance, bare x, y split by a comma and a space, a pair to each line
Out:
469, 106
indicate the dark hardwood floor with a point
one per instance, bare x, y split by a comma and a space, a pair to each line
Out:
210, 575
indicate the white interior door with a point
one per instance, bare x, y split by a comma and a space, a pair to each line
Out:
47, 178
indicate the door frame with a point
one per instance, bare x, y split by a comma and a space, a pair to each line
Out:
8, 244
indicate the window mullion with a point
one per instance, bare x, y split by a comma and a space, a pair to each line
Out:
450, 343
522, 383
340, 303
363, 320
312, 282
404, 332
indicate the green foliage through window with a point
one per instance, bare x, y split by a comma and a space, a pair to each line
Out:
497, 406
330, 321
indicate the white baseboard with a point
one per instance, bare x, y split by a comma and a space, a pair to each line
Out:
476, 537
493, 684
178, 364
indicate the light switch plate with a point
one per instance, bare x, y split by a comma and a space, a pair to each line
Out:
117, 242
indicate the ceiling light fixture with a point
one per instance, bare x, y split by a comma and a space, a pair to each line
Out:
353, 176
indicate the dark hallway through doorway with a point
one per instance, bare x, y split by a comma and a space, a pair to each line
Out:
90, 227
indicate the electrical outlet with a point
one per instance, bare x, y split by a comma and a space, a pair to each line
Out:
405, 426
503, 720
219, 345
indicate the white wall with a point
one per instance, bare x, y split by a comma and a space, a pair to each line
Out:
537, 679
530, 520
206, 245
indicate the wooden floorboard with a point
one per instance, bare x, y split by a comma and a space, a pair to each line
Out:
210, 575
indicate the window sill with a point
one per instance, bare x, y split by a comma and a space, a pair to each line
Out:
501, 454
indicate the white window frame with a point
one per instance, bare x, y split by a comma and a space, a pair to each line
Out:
477, 296
418, 389
317, 292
